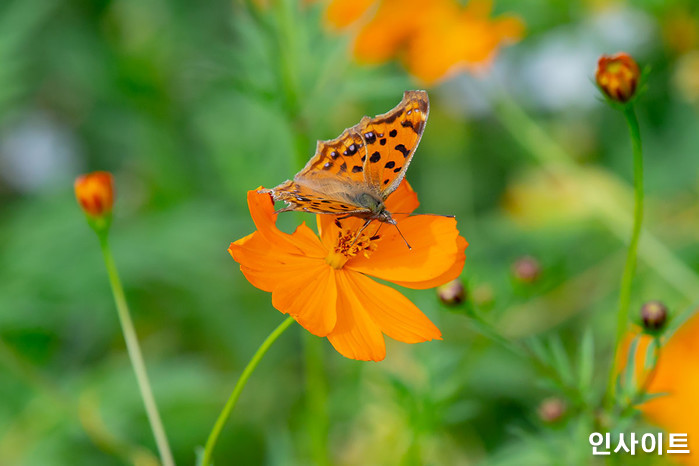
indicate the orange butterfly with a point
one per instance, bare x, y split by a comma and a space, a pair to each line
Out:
355, 173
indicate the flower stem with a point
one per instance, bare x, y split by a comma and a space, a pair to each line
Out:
230, 404
135, 355
629, 268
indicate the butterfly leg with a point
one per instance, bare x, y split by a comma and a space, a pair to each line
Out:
376, 233
366, 224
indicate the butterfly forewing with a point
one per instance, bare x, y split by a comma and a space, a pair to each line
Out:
391, 140
369, 158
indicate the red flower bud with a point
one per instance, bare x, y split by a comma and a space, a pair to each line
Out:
95, 193
526, 269
551, 410
618, 76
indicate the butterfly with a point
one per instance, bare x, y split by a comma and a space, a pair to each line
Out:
353, 174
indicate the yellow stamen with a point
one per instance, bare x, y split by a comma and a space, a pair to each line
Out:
349, 245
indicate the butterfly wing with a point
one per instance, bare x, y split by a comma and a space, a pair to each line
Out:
371, 157
391, 140
330, 180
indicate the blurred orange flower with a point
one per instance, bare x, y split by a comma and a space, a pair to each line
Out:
322, 281
676, 374
434, 39
95, 193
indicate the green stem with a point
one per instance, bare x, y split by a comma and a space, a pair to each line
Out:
316, 397
135, 355
629, 268
230, 404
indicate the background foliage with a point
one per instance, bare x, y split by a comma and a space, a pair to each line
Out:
192, 104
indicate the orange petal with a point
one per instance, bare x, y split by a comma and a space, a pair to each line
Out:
402, 201
436, 248
381, 38
677, 375
342, 13
260, 261
395, 314
309, 294
302, 240
356, 335
450, 274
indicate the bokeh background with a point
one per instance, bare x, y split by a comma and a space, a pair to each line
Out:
191, 104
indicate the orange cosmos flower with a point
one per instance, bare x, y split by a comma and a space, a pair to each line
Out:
95, 193
434, 39
676, 375
618, 76
323, 282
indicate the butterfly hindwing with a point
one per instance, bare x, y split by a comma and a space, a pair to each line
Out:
391, 140
325, 198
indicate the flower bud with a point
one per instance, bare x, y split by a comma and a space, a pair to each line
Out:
653, 315
618, 76
526, 269
551, 410
452, 293
95, 193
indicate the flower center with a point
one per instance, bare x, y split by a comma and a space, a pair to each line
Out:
349, 245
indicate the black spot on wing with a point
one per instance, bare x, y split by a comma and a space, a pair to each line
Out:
357, 169
401, 148
390, 164
393, 133
370, 137
382, 141
375, 157
408, 124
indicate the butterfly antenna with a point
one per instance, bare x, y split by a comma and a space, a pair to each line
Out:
432, 215
401, 235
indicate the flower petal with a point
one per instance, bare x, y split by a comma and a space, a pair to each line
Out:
434, 257
308, 294
356, 335
402, 201
395, 314
342, 13
302, 241
450, 274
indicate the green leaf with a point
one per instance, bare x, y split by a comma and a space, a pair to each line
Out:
560, 360
652, 353
586, 361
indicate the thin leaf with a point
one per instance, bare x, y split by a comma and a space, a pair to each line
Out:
560, 360
586, 361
